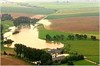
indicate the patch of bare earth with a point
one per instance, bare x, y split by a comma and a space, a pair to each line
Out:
8, 60
15, 15
32, 16
86, 24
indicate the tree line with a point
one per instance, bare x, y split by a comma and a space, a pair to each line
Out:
19, 21
1, 33
32, 54
68, 37
73, 57
6, 17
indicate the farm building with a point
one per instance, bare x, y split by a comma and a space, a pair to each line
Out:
57, 54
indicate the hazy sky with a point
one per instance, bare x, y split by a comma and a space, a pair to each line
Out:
50, 0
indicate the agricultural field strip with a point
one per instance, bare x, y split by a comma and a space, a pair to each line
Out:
68, 5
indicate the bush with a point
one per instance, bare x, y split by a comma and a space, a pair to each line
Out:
80, 57
5, 53
16, 32
76, 57
8, 41
65, 60
93, 37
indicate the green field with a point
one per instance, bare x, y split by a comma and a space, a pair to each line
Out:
17, 8
83, 62
88, 47
6, 25
72, 15
55, 10
68, 5
65, 10
26, 10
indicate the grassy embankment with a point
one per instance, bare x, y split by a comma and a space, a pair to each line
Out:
6, 24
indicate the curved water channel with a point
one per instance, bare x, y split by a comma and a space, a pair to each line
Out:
30, 37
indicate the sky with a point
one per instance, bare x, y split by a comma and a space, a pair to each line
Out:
50, 0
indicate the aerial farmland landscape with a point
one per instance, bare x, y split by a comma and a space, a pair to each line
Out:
53, 32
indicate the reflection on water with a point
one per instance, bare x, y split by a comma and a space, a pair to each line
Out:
29, 37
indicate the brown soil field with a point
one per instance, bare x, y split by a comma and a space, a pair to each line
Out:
8, 60
15, 15
76, 24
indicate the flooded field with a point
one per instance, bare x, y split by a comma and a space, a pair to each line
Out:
29, 37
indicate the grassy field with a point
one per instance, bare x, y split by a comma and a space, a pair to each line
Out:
66, 10
74, 11
17, 8
68, 5
81, 46
6, 24
26, 10
89, 48
83, 62
72, 15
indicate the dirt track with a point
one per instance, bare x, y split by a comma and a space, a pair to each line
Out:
88, 24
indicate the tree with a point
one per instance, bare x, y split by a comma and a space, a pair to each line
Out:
1, 36
46, 59
85, 36
65, 60
33, 21
62, 37
18, 49
6, 17
80, 37
48, 37
32, 54
8, 41
80, 57
93, 37
71, 37
54, 38
21, 21
24, 50
77, 36
5, 53
67, 47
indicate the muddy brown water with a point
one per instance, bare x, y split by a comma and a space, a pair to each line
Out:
30, 37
